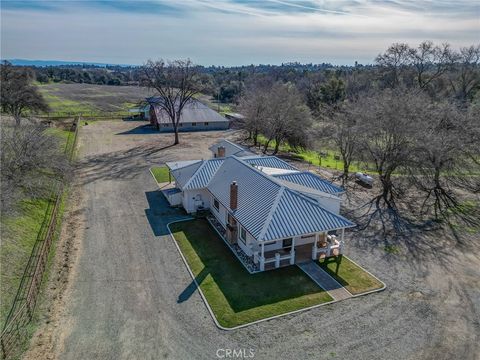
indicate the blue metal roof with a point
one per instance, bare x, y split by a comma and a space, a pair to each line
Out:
203, 175
312, 181
256, 193
230, 148
268, 161
267, 209
295, 214
183, 174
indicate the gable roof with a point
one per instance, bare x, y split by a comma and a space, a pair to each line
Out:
183, 174
193, 111
266, 208
310, 180
230, 148
203, 175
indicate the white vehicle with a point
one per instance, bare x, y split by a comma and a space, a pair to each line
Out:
364, 178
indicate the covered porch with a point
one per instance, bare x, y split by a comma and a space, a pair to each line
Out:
322, 245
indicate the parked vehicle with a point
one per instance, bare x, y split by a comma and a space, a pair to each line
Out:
364, 178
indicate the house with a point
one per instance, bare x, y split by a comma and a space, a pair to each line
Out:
270, 213
195, 116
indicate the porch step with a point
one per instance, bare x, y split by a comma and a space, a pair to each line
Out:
324, 280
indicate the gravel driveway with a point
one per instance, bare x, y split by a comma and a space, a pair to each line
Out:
129, 277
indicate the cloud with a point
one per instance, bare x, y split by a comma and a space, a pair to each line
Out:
229, 32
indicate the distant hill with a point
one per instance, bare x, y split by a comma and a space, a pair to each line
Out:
43, 63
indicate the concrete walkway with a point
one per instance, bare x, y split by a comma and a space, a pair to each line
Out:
324, 280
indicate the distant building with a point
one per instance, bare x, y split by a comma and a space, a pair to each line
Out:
196, 116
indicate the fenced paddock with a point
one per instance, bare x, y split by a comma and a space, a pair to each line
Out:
15, 331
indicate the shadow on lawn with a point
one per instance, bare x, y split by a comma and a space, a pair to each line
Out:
242, 290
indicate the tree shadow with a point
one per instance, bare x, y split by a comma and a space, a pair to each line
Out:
192, 287
145, 129
242, 290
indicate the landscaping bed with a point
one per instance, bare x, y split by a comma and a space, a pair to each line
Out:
356, 280
235, 296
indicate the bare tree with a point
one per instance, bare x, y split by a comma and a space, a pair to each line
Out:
254, 108
430, 61
388, 122
443, 163
393, 61
288, 118
345, 134
465, 80
176, 83
32, 160
18, 95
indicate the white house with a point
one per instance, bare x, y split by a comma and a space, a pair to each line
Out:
271, 213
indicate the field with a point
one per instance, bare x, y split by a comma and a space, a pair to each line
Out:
76, 99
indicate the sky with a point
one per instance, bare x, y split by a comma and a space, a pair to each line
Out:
229, 32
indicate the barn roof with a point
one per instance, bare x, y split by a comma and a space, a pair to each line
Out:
194, 111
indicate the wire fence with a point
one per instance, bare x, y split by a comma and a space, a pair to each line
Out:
16, 331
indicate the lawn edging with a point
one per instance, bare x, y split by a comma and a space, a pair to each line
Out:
369, 273
153, 175
206, 301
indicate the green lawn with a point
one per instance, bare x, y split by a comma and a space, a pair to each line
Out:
354, 278
160, 173
236, 296
18, 237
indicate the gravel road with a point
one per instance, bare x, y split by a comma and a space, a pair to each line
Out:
124, 298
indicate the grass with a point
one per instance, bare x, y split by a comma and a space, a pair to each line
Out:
160, 173
331, 159
19, 234
353, 277
236, 296
91, 100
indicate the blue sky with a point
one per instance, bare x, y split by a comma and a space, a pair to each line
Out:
229, 32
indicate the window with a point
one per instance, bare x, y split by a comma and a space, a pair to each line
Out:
216, 205
194, 124
243, 235
287, 243
205, 123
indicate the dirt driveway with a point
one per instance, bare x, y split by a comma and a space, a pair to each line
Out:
131, 297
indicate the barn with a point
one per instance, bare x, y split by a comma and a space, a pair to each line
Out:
195, 116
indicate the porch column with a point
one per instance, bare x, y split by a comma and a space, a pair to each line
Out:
292, 253
262, 258
314, 248
340, 250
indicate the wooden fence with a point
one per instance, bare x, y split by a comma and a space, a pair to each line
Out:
16, 331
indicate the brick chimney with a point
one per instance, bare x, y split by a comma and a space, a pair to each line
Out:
221, 151
233, 195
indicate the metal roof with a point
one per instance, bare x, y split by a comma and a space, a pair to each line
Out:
183, 175
193, 111
230, 148
295, 214
311, 180
174, 165
267, 209
256, 194
268, 161
203, 175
